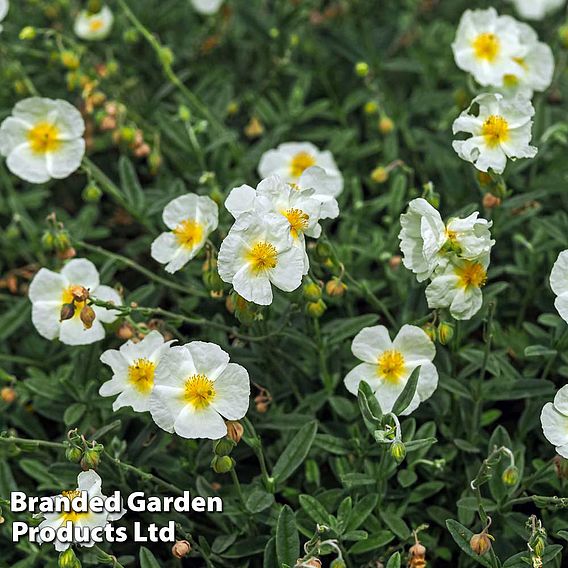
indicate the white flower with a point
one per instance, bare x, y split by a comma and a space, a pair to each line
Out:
536, 9
195, 388
207, 7
486, 45
387, 365
4, 7
457, 286
259, 251
191, 219
501, 130
133, 367
90, 482
50, 291
43, 139
426, 241
534, 70
554, 419
559, 284
326, 188
291, 159
93, 26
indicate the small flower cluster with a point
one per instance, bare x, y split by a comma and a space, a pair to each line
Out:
188, 389
454, 255
266, 244
507, 56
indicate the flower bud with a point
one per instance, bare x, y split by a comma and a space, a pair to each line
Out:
445, 332
338, 563
92, 457
313, 562
8, 395
87, 316
67, 559
398, 451
70, 60
380, 174
235, 430
480, 543
386, 125
371, 107
510, 476
538, 545
67, 312
74, 454
166, 56
222, 464
335, 288
362, 68
27, 33
254, 128
563, 35
323, 251
311, 291
181, 548
316, 309
224, 447
92, 193
125, 331
47, 240
491, 201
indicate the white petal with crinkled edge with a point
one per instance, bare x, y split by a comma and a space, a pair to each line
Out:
362, 372
67, 159
28, 165
370, 342
240, 200
554, 425
81, 272
173, 370
45, 317
73, 332
232, 392
207, 7
536, 9
203, 423
47, 286
415, 345
209, 359
167, 250
84, 22
166, 403
254, 288
106, 294
559, 274
288, 272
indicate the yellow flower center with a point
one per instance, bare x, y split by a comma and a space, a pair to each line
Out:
301, 162
391, 366
72, 515
189, 233
495, 130
486, 46
262, 256
199, 391
68, 298
298, 221
43, 138
96, 25
141, 375
471, 274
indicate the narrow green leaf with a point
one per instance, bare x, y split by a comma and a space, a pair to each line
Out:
130, 185
462, 536
295, 453
287, 538
406, 396
147, 559
315, 510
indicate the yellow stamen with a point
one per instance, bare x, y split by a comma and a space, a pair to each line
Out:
471, 274
262, 256
96, 25
72, 515
68, 298
298, 221
199, 391
487, 46
43, 138
301, 162
510, 80
141, 375
495, 130
189, 233
391, 366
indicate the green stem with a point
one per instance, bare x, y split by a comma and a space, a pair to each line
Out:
237, 484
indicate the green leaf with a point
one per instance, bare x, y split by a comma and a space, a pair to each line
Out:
373, 542
130, 185
259, 500
341, 329
314, 509
287, 538
369, 406
395, 524
406, 396
361, 510
462, 536
147, 559
74, 413
295, 453
394, 561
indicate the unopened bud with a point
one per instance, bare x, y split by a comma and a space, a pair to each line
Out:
181, 548
254, 128
74, 454
480, 543
125, 331
445, 332
166, 56
510, 476
27, 33
224, 447
371, 107
398, 451
491, 201
563, 35
67, 559
222, 464
335, 287
92, 193
338, 563
87, 316
47, 240
316, 309
67, 312
235, 430
380, 174
311, 291
313, 562
70, 60
386, 125
91, 457
362, 68
8, 395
